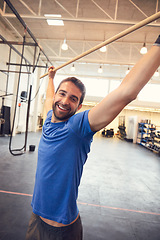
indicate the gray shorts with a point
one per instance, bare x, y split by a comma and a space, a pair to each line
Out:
39, 230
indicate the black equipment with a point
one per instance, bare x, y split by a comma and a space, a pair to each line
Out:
5, 127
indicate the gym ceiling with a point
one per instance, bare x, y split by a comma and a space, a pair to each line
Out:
86, 24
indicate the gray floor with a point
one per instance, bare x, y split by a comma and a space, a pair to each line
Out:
119, 196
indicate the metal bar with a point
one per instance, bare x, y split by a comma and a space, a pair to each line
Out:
5, 95
3, 39
14, 116
28, 69
4, 7
64, 8
138, 8
24, 65
36, 61
77, 9
8, 69
39, 8
27, 117
157, 6
28, 7
14, 71
4, 72
110, 40
102, 10
116, 9
18, 43
26, 27
83, 20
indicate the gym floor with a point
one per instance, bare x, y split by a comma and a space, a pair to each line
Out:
119, 196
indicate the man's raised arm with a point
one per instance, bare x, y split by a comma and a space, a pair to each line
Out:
103, 113
50, 90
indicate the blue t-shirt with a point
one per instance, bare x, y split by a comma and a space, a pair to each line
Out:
62, 152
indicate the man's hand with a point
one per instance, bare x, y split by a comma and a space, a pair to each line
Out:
51, 73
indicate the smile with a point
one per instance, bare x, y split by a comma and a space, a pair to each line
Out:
62, 108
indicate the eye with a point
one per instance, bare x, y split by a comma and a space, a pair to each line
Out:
62, 94
73, 99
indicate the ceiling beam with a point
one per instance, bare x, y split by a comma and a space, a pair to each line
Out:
64, 8
77, 9
83, 20
138, 8
102, 10
116, 10
39, 7
24, 4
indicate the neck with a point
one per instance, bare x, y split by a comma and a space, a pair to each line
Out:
55, 120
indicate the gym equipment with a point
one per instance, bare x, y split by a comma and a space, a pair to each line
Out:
5, 117
16, 152
26, 27
23, 96
5, 126
148, 136
31, 148
108, 133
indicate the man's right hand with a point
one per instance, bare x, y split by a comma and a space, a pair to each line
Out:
51, 73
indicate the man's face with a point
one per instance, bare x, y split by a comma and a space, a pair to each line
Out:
66, 102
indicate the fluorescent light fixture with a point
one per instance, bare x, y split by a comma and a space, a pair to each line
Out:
103, 49
54, 22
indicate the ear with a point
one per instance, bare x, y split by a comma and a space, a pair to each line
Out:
79, 107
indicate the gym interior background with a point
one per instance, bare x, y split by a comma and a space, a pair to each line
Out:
119, 195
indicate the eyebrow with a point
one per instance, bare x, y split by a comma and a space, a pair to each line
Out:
74, 96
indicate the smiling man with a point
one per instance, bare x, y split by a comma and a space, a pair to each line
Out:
65, 143
65, 102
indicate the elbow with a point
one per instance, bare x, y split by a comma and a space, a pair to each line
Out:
130, 96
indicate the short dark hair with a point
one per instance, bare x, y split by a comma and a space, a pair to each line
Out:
78, 84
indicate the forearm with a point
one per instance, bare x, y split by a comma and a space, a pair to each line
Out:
50, 90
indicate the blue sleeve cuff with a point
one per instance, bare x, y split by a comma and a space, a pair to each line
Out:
157, 42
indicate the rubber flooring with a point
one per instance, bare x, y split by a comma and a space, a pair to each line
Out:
119, 195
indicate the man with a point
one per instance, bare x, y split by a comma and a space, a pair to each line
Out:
65, 143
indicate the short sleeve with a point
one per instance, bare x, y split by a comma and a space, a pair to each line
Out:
80, 125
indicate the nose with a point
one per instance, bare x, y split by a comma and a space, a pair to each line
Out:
65, 101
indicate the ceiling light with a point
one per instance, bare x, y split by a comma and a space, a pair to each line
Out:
73, 68
103, 49
156, 74
54, 22
143, 49
64, 45
100, 70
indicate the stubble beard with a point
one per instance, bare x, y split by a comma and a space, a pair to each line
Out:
64, 117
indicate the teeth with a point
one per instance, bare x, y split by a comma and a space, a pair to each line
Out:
62, 108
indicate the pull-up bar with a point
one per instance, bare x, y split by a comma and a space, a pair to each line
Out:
110, 40
25, 27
